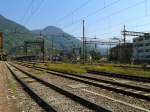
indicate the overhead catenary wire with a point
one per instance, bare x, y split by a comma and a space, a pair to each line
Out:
33, 12
120, 11
110, 32
116, 29
26, 12
104, 6
146, 7
74, 11
91, 14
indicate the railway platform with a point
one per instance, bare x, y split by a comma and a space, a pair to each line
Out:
7, 101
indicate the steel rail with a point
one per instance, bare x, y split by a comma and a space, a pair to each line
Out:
66, 93
122, 91
41, 102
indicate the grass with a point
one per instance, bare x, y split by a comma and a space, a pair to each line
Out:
125, 71
81, 69
64, 68
122, 65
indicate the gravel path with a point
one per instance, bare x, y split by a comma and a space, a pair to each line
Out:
7, 99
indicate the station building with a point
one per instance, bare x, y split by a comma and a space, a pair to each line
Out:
141, 49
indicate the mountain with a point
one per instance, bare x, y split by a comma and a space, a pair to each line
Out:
61, 39
15, 35
49, 30
8, 25
13, 41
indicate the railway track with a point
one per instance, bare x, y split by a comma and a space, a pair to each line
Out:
130, 90
42, 102
133, 67
114, 75
107, 80
79, 79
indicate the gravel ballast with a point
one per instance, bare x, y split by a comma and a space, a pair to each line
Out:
113, 105
59, 102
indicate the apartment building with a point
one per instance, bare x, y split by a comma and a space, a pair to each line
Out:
141, 49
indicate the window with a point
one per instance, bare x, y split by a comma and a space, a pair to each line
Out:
134, 40
140, 39
147, 50
147, 37
139, 51
148, 56
147, 44
140, 45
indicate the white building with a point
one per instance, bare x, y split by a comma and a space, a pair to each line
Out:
141, 49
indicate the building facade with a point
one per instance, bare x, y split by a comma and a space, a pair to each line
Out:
141, 49
121, 53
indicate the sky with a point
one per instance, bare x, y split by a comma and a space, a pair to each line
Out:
104, 19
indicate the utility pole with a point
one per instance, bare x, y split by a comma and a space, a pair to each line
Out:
124, 35
133, 33
25, 48
124, 47
80, 53
43, 49
73, 53
110, 53
1, 42
52, 47
83, 44
1, 46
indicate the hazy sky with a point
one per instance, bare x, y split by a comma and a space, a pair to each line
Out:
103, 18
